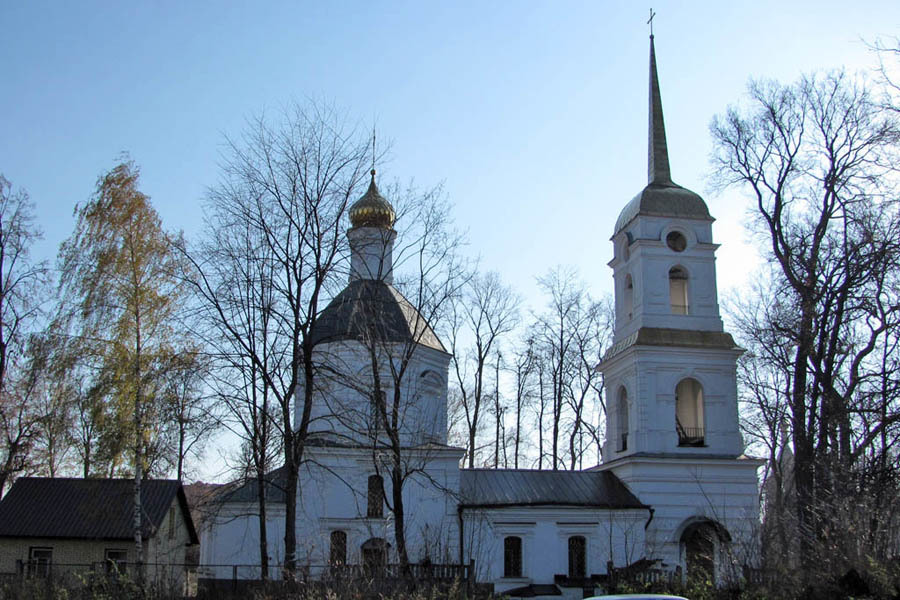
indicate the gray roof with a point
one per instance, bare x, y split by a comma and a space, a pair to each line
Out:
246, 490
371, 308
518, 487
662, 197
88, 508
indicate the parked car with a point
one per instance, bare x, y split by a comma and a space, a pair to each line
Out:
637, 597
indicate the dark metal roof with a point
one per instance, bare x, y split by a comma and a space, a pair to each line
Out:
662, 197
664, 200
88, 508
371, 308
512, 487
246, 490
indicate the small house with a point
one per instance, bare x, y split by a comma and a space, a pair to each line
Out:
57, 526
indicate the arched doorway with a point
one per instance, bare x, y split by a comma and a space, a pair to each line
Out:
374, 556
701, 542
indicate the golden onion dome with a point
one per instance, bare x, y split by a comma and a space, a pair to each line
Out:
372, 210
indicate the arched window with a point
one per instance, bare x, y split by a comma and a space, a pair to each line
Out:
375, 497
678, 290
689, 412
629, 297
622, 418
338, 548
577, 556
512, 556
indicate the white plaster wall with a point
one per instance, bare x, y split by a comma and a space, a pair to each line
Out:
342, 410
372, 250
648, 262
650, 375
336, 499
616, 536
721, 490
333, 496
231, 536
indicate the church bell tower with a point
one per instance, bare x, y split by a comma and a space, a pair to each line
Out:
672, 433
670, 374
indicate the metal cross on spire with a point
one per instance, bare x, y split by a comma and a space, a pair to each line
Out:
650, 21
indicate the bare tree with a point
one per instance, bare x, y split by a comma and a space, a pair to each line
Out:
568, 337
21, 283
524, 367
818, 159
188, 417
289, 184
486, 311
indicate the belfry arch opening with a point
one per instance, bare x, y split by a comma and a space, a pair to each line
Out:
678, 290
689, 413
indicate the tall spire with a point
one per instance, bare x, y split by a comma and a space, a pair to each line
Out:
658, 154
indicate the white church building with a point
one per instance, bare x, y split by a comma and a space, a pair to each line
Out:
673, 492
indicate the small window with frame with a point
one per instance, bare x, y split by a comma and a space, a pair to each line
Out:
116, 560
40, 558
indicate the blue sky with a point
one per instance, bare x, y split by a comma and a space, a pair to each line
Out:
532, 114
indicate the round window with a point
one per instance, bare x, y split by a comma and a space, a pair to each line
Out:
676, 241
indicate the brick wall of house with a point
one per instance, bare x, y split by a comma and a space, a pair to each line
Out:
167, 547
75, 552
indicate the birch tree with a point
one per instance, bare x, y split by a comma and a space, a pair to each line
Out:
119, 296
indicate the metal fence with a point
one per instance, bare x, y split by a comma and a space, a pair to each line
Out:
178, 578
369, 576
191, 580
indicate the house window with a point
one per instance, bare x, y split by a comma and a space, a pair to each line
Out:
678, 290
116, 560
338, 548
39, 561
512, 556
689, 412
577, 556
172, 517
375, 497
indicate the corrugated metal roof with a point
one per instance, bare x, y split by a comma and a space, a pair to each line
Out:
87, 508
368, 307
511, 487
246, 490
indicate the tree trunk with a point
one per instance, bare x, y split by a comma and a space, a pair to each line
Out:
399, 520
263, 534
